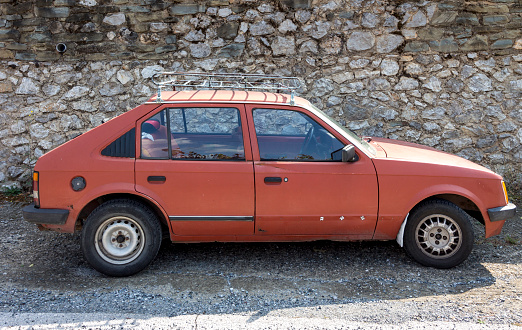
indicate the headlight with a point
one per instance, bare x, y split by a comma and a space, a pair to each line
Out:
505, 192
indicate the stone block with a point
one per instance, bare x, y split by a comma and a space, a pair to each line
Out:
261, 28
347, 14
171, 39
6, 87
467, 19
79, 37
200, 50
416, 20
476, 43
502, 44
45, 56
115, 19
218, 3
388, 43
151, 56
79, 18
187, 9
430, 33
33, 21
19, 9
228, 30
158, 27
106, 9
65, 3
16, 46
232, 50
296, 4
416, 46
6, 54
495, 19
52, 12
487, 9
9, 35
283, 46
142, 48
360, 40
135, 9
37, 38
25, 56
444, 18
447, 45
151, 17
165, 49
140, 27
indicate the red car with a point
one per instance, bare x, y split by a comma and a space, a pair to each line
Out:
251, 166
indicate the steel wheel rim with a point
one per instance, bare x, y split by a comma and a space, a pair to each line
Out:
438, 236
119, 240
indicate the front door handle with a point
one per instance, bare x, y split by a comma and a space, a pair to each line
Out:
156, 178
273, 179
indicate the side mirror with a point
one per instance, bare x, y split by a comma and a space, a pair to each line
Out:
349, 155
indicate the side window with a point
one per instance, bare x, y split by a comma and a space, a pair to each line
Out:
207, 133
195, 134
154, 132
292, 135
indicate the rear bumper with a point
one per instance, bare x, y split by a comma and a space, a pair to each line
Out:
502, 212
45, 216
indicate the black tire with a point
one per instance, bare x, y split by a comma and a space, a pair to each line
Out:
438, 234
121, 237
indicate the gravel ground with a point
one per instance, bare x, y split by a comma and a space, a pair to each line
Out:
45, 283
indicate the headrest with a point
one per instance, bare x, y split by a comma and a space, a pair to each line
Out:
154, 123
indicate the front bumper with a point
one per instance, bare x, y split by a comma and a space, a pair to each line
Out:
502, 212
45, 216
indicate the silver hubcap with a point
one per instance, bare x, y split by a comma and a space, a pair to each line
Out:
119, 240
438, 236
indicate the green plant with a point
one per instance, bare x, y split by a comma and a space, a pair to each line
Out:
511, 240
12, 191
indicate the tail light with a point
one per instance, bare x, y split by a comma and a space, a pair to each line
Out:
36, 189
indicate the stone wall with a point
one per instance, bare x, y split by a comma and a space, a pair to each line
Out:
447, 74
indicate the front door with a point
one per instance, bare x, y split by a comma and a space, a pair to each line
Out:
302, 187
194, 163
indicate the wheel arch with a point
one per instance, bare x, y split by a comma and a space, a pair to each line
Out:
93, 204
463, 202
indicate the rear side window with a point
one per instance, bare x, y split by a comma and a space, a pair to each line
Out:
193, 134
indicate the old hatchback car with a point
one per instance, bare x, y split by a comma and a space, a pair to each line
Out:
234, 165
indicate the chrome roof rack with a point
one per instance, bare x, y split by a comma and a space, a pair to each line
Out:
203, 80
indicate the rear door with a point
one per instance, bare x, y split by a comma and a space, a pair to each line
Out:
194, 162
302, 187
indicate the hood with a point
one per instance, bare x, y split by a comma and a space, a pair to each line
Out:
417, 153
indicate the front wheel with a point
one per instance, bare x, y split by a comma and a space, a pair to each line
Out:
121, 237
438, 234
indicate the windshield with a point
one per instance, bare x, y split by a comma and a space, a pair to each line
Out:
351, 135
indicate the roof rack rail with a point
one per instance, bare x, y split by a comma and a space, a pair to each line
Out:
203, 80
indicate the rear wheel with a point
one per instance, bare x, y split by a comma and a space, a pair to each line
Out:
121, 237
438, 234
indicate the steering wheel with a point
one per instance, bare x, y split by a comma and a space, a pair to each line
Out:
307, 144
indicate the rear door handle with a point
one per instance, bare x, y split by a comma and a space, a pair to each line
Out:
156, 178
273, 179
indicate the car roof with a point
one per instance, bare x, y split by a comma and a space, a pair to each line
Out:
226, 96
